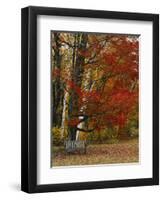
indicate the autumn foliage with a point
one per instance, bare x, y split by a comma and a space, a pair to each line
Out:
100, 75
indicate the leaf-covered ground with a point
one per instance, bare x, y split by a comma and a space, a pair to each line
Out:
121, 152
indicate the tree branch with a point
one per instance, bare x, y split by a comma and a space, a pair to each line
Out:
84, 130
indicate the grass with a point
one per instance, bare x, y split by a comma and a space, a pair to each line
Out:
122, 152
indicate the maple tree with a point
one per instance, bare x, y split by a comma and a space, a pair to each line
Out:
95, 81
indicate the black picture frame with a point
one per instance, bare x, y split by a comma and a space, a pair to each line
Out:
29, 99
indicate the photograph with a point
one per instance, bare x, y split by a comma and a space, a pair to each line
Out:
94, 98
90, 99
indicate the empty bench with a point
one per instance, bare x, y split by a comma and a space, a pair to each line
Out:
75, 146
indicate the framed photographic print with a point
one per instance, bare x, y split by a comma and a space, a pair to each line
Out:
90, 99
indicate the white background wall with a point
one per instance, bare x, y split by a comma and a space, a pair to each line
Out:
10, 85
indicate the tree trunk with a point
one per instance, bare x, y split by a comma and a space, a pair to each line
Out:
87, 84
80, 42
64, 113
57, 100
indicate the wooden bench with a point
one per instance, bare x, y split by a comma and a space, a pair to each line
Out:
75, 146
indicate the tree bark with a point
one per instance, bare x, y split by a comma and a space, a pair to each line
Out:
80, 42
57, 88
